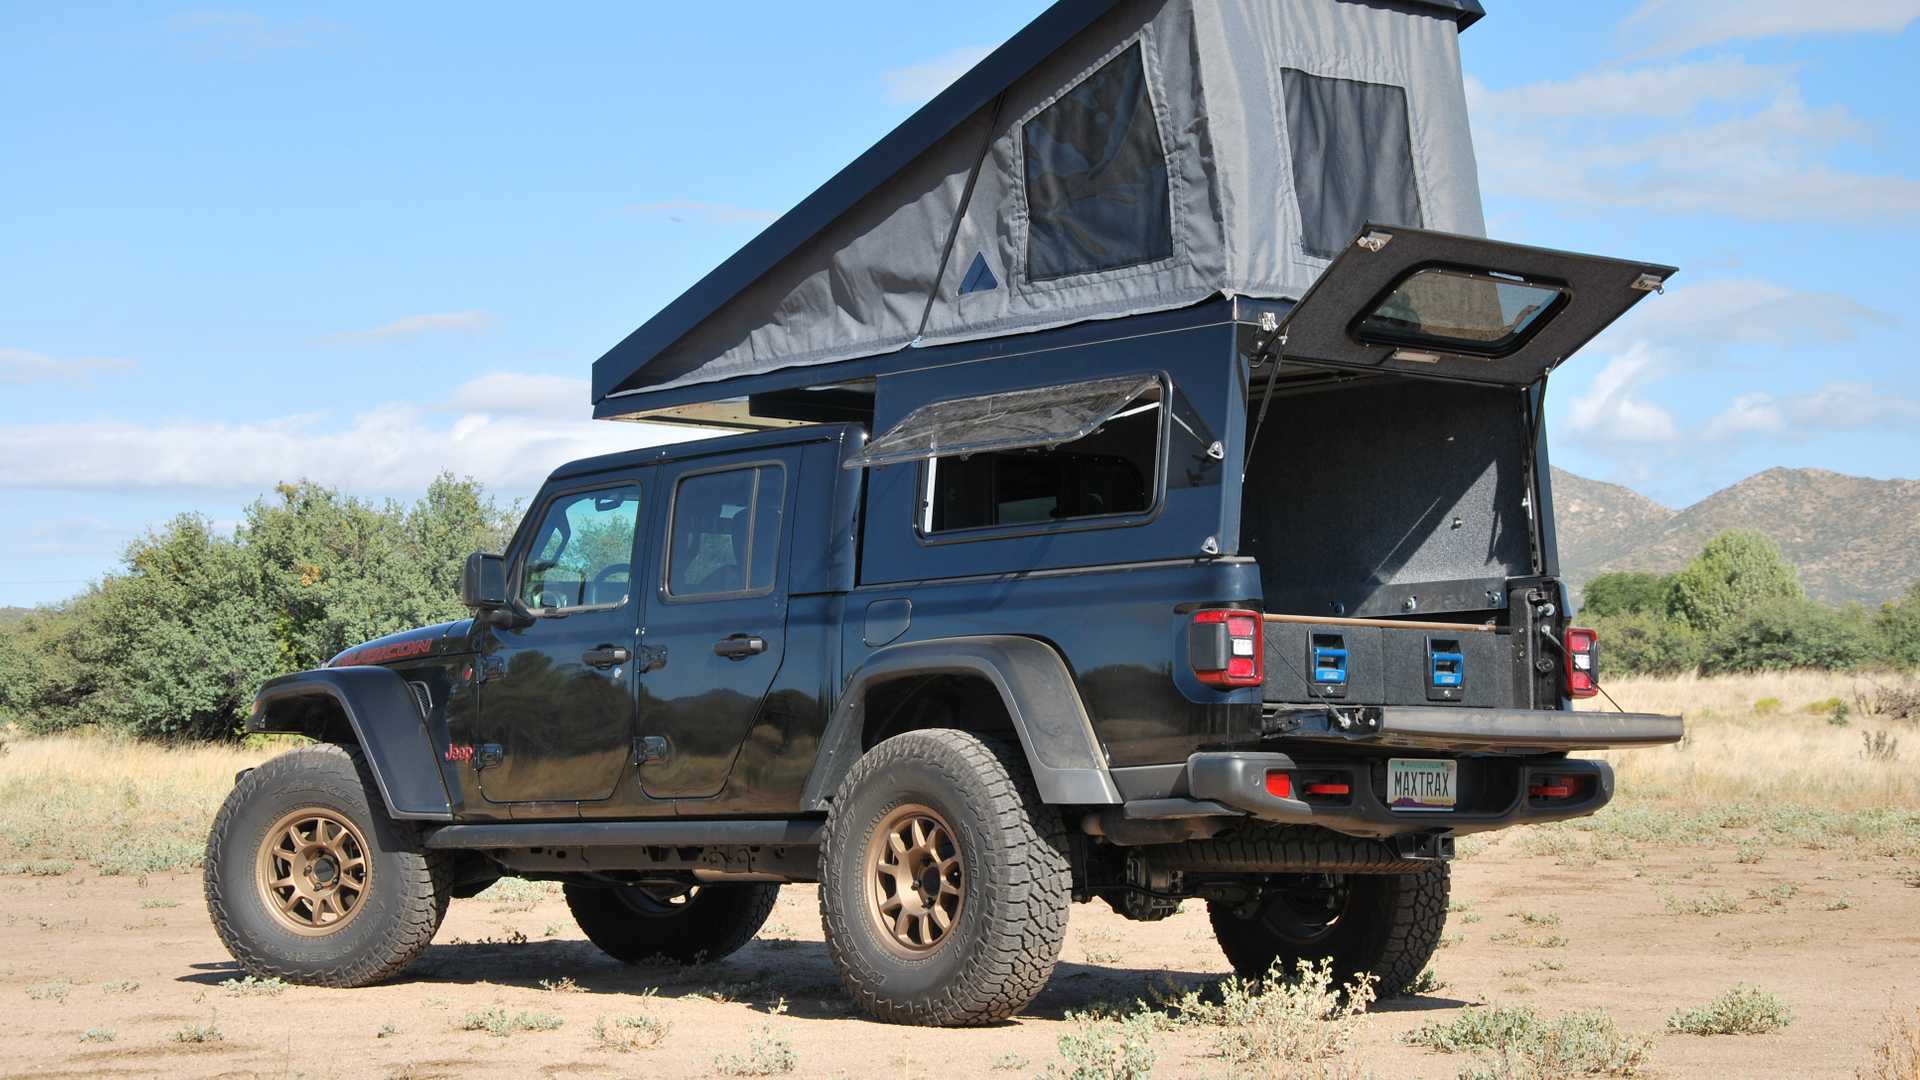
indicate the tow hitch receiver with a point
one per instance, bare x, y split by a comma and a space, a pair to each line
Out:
1425, 847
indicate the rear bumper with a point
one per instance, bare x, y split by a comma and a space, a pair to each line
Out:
1463, 730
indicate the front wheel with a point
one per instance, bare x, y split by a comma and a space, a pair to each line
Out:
308, 880
944, 881
1386, 925
675, 924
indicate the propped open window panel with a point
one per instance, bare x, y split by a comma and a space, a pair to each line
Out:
1419, 302
1011, 420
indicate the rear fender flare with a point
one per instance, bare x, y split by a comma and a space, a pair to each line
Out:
387, 725
1069, 766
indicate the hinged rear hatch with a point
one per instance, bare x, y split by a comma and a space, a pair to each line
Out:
1436, 304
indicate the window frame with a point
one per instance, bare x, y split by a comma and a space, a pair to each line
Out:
1163, 440
523, 545
667, 595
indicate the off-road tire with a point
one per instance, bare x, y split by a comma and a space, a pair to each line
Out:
408, 888
711, 923
1390, 928
1015, 881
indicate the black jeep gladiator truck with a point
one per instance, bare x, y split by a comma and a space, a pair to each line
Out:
1250, 600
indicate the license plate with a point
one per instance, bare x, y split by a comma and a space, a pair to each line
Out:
1421, 783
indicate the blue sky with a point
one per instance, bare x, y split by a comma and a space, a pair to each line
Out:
367, 243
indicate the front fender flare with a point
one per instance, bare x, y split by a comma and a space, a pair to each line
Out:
1069, 766
386, 722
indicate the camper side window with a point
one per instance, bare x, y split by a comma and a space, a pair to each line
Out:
1352, 158
1096, 176
1111, 472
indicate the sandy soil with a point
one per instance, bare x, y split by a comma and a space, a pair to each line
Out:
1625, 951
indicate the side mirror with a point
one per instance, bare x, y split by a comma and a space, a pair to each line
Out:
483, 584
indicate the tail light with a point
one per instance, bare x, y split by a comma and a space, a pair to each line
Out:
1583, 654
1224, 648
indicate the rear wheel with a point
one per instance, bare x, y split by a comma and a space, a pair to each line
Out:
1384, 924
677, 924
944, 881
308, 880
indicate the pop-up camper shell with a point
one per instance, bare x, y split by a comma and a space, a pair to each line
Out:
1261, 218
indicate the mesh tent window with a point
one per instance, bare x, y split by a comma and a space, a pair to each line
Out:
1096, 176
1352, 150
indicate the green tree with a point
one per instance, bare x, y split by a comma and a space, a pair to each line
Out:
1780, 634
1625, 593
1646, 643
1897, 631
1738, 572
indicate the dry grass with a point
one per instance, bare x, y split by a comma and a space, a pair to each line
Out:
1897, 1055
1734, 752
124, 807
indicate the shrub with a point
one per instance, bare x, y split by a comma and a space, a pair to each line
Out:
1737, 571
500, 1023
1646, 643
1519, 1043
1767, 706
1303, 1026
1743, 1010
768, 1054
625, 1034
1897, 631
1779, 635
1625, 594
1098, 1048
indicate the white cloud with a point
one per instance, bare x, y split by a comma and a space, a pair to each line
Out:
246, 32
1837, 406
1613, 411
392, 449
509, 393
1761, 154
1676, 26
408, 327
1742, 311
711, 213
22, 366
1672, 90
917, 83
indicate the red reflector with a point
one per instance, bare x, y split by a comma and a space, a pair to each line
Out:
1582, 647
1550, 791
1280, 785
1329, 789
1240, 667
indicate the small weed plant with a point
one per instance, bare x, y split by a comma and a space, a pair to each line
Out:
54, 990
208, 1032
768, 1052
1101, 1048
1897, 1055
1514, 1042
500, 1023
1301, 1025
97, 1035
1743, 1010
1709, 903
631, 1032
255, 987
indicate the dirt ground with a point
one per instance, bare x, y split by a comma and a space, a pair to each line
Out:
1836, 934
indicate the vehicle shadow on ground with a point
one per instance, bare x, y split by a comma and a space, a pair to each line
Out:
765, 974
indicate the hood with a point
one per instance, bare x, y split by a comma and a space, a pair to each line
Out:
437, 640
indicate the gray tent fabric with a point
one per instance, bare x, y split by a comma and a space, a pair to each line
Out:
1170, 151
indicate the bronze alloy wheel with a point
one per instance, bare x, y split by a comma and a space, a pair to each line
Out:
313, 871
916, 880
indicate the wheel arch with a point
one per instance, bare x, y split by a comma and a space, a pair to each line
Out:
1039, 701
374, 709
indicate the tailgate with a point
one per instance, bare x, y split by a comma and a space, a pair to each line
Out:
1458, 730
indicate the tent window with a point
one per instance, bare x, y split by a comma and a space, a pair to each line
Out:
1352, 158
1108, 472
1096, 176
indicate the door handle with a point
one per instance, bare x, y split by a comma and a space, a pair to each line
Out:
605, 656
740, 646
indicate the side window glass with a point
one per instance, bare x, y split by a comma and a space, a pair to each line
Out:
726, 532
582, 554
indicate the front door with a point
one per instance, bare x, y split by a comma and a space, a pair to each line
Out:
719, 611
557, 696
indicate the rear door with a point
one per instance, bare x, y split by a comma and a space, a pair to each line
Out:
1439, 305
717, 617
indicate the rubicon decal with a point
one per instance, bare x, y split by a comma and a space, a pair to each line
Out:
380, 654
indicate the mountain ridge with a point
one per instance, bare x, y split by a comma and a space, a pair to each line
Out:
1853, 538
